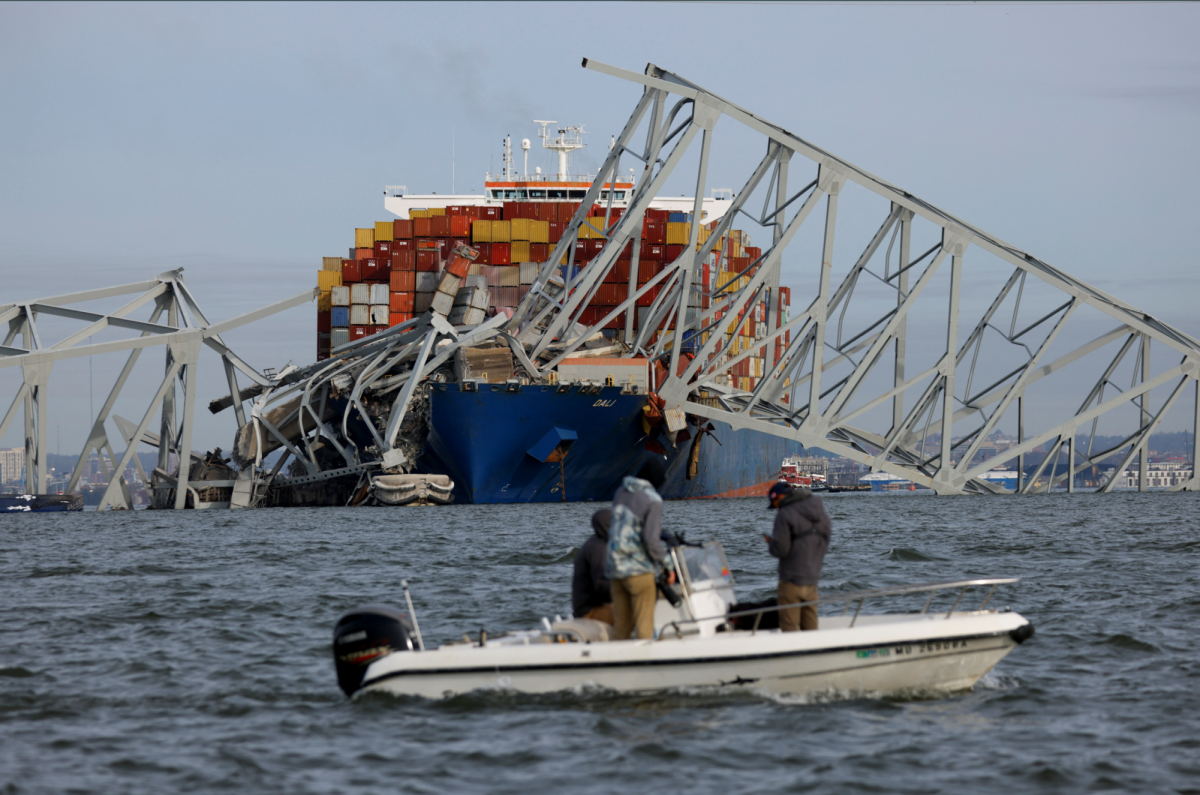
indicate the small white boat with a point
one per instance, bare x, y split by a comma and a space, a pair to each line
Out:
698, 644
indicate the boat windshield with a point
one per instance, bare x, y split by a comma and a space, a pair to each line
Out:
705, 566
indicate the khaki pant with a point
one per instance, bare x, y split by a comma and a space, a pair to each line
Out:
797, 618
633, 606
602, 613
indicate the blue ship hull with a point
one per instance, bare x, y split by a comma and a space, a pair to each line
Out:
40, 503
499, 447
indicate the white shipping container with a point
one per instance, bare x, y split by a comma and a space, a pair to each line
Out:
360, 294
379, 294
339, 336
529, 272
466, 316
476, 281
442, 303
340, 296
449, 284
426, 283
474, 297
379, 314
360, 314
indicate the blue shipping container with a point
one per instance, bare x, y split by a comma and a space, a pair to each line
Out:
339, 316
680, 218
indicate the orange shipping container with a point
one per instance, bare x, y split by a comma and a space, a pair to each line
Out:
422, 227
402, 229
440, 225
403, 281
401, 302
460, 226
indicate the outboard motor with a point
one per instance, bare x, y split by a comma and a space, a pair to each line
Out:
367, 634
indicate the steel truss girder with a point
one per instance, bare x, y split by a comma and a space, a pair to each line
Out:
825, 419
185, 331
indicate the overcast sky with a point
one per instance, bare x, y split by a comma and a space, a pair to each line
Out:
243, 142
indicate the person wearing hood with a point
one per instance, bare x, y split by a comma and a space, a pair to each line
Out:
591, 594
800, 540
635, 546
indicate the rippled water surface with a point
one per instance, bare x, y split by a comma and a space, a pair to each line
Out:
159, 651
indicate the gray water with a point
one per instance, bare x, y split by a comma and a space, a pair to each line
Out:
161, 652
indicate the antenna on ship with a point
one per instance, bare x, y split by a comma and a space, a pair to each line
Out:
569, 139
525, 149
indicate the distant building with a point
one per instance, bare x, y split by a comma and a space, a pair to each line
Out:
12, 465
1159, 475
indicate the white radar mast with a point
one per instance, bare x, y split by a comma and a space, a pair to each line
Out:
568, 140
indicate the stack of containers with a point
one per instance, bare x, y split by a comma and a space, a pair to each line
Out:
403, 267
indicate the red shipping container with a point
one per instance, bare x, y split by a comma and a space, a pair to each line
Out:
404, 261
648, 269
370, 270
403, 245
440, 226
364, 253
653, 251
581, 251
458, 266
351, 271
483, 249
626, 254
594, 247
426, 243
396, 318
654, 232
610, 295
500, 254
508, 212
739, 264
753, 252
662, 216
618, 274
529, 210
358, 332
402, 281
547, 211
597, 209
566, 210
427, 261
422, 227
453, 209
556, 230
648, 297
673, 253
324, 321
455, 242
401, 302
491, 213
442, 244
402, 229
383, 249
539, 252
460, 226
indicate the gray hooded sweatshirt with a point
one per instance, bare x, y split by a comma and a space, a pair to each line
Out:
801, 538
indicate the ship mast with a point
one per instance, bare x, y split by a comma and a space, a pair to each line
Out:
568, 140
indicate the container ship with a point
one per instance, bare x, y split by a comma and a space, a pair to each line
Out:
575, 434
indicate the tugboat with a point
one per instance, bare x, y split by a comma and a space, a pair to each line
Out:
791, 472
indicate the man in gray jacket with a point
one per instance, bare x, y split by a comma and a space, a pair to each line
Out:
635, 545
800, 540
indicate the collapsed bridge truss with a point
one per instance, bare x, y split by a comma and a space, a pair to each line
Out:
858, 394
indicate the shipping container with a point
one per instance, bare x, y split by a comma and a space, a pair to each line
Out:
364, 253
379, 314
427, 261
339, 336
404, 261
364, 238
401, 302
501, 231
449, 283
327, 280
421, 302
436, 212
339, 316
474, 297
331, 264
378, 294
499, 253
528, 272
361, 332
547, 211
654, 232
403, 245
426, 282
481, 232
519, 251
324, 301
442, 303
402, 229
618, 274
324, 322
674, 251
360, 294
422, 227
490, 213
476, 280
504, 296
340, 296
460, 226
466, 316
360, 314
351, 271
371, 271
539, 252
439, 226
519, 229
555, 231
396, 318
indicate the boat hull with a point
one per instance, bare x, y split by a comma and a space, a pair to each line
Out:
487, 441
928, 655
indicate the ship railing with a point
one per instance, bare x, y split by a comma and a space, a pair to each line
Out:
860, 598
